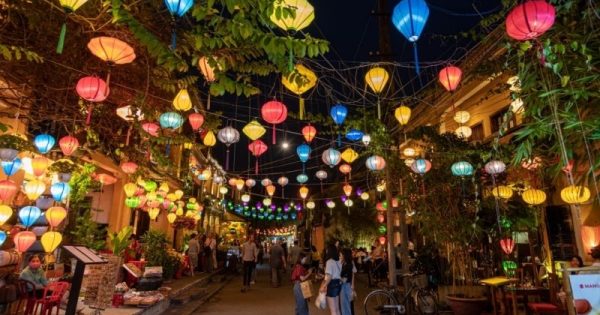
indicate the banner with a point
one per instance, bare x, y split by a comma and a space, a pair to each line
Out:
586, 289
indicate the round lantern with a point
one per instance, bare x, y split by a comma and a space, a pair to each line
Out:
23, 240
462, 117
530, 20
409, 17
228, 135
303, 152
239, 184
450, 77
402, 114
153, 213
321, 174
266, 182
366, 139
409, 162
575, 194
502, 191
5, 213
282, 181
254, 130
60, 191
267, 202
309, 133
349, 203
534, 196
462, 169
409, 152
250, 182
375, 163
133, 202
39, 165
376, 79
50, 241
129, 167
92, 89
507, 245
463, 132
331, 157
349, 155
170, 120
304, 14
347, 188
106, 179
208, 71
10, 168
270, 190
68, 144
245, 198
338, 114
421, 166
151, 128
380, 218
182, 101
44, 143
311, 205
364, 196
257, 148
303, 192
495, 167
196, 120
223, 190
8, 189
111, 50
354, 135
210, 140
345, 169
171, 217
33, 189
275, 113
29, 215
55, 215
382, 240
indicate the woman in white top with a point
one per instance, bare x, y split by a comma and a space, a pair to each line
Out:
332, 284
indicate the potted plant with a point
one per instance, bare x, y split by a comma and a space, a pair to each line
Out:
156, 253
120, 241
64, 169
11, 145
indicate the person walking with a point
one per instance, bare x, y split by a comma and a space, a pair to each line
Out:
249, 258
332, 284
347, 275
193, 251
294, 253
277, 260
299, 274
210, 247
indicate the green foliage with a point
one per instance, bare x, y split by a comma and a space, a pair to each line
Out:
154, 246
87, 232
81, 183
120, 241
14, 53
15, 142
63, 166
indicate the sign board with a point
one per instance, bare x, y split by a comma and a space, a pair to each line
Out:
585, 289
84, 255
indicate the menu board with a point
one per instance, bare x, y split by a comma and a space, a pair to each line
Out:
585, 288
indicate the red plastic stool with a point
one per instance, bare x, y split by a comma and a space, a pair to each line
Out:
544, 308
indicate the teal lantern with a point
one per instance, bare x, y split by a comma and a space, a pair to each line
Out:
462, 169
2, 237
170, 120
44, 143
60, 191
29, 215
177, 8
302, 178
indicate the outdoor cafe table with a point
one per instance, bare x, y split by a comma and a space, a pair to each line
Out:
495, 283
525, 292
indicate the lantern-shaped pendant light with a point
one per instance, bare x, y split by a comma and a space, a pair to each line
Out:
530, 20
23, 240
275, 113
331, 157
303, 192
44, 143
309, 133
349, 155
254, 130
450, 78
170, 120
8, 189
375, 163
50, 241
10, 168
68, 145
228, 136
182, 101
507, 245
92, 89
409, 17
299, 81
55, 216
303, 152
196, 120
304, 14
29, 215
177, 8
402, 114
68, 6
257, 148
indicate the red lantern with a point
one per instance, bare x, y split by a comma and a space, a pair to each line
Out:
507, 245
309, 132
450, 77
530, 20
274, 112
151, 128
8, 189
380, 218
68, 144
257, 148
382, 240
92, 89
196, 120
23, 240
129, 167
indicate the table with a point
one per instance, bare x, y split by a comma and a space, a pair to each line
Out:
525, 292
494, 283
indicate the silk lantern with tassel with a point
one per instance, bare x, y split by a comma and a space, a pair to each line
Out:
196, 120
228, 136
111, 50
68, 145
303, 152
299, 82
50, 241
309, 133
530, 20
338, 113
182, 101
410, 17
177, 8
254, 130
69, 6
23, 240
450, 78
257, 148
376, 78
275, 113
304, 14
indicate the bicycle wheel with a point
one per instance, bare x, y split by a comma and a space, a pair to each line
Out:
426, 302
381, 302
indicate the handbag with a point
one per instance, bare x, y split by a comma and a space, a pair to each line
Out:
306, 288
321, 301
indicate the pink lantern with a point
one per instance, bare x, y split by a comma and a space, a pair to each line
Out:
23, 240
507, 245
105, 179
257, 148
68, 144
92, 89
129, 167
274, 112
196, 120
151, 128
530, 20
450, 77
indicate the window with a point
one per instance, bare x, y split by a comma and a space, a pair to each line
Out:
501, 120
477, 134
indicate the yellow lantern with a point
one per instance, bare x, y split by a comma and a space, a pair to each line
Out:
239, 184
409, 152
55, 215
503, 192
245, 198
299, 81
376, 79
347, 190
182, 101
50, 241
207, 70
189, 214
575, 194
210, 139
304, 14
111, 50
254, 130
130, 189
172, 197
179, 193
402, 114
171, 217
5, 213
179, 211
380, 187
164, 187
39, 165
534, 196
364, 196
153, 213
151, 196
303, 192
197, 217
223, 190
270, 190
33, 189
310, 205
349, 155
141, 182
72, 5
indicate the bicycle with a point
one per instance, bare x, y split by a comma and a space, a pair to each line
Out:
390, 301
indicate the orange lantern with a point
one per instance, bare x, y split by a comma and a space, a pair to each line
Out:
309, 133
207, 70
196, 120
106, 179
345, 169
347, 189
450, 78
111, 50
23, 240
239, 184
590, 235
8, 189
270, 190
68, 144
382, 240
380, 218
39, 165
303, 192
55, 215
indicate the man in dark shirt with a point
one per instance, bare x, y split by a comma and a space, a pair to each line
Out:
278, 263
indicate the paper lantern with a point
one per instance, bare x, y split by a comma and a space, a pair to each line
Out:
345, 169
575, 194
304, 14
298, 82
507, 245
92, 89
28, 215
267, 202
462, 117
223, 190
50, 241
6, 213
463, 132
266, 182
171, 217
55, 216
151, 128
450, 78
321, 174
23, 240
349, 155
354, 135
178, 8
409, 17
60, 191
530, 20
210, 140
366, 139
106, 179
495, 167
534, 196
10, 168
302, 178
39, 165
376, 78
33, 189
8, 189
182, 101
129, 167
347, 188
421, 166
402, 113
153, 213
331, 157
275, 113
503, 192
208, 71
375, 163
68, 6
68, 145
170, 120
303, 152
111, 50
462, 169
282, 181
309, 133
250, 182
303, 192
44, 143
254, 130
257, 148
338, 114
270, 190
196, 120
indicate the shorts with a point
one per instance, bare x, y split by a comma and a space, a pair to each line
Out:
334, 288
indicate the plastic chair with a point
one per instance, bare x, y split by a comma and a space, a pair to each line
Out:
53, 293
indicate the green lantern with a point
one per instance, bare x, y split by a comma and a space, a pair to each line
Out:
132, 202
382, 229
150, 185
509, 267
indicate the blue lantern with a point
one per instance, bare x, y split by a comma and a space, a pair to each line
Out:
354, 135
409, 17
339, 113
44, 143
29, 215
179, 8
302, 178
303, 152
462, 168
2, 237
170, 120
11, 167
293, 216
60, 191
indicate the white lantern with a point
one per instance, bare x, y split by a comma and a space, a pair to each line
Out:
495, 167
462, 117
463, 132
245, 198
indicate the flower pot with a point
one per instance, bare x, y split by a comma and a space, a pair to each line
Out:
64, 177
7, 154
467, 305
